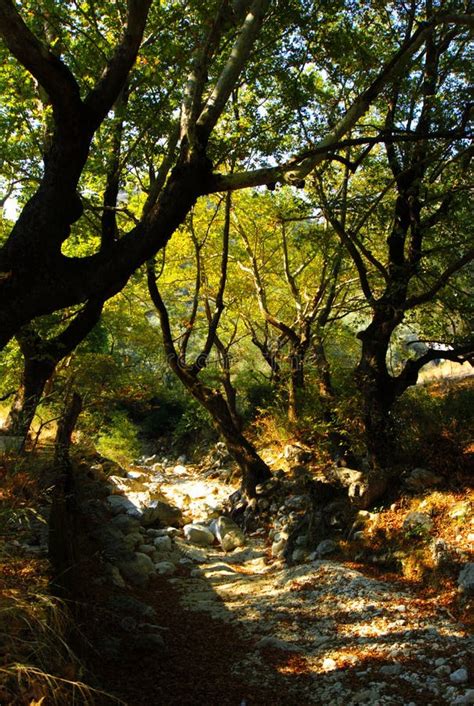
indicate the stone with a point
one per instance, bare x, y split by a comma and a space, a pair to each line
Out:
161, 513
135, 475
391, 670
137, 570
421, 478
227, 533
120, 504
125, 523
298, 502
441, 554
459, 676
327, 546
179, 470
165, 568
132, 540
278, 548
298, 555
115, 575
417, 522
466, 579
146, 549
467, 698
198, 534
163, 544
126, 604
329, 664
268, 487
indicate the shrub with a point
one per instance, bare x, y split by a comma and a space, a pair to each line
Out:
118, 439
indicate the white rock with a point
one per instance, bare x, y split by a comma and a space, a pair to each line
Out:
278, 548
329, 664
198, 534
459, 676
134, 475
228, 533
179, 470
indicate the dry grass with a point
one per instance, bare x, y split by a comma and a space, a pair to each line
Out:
38, 665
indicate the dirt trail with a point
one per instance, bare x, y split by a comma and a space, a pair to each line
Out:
244, 629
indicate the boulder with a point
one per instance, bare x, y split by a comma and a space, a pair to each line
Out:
115, 576
421, 478
124, 604
460, 676
165, 568
466, 579
132, 540
228, 533
298, 555
125, 523
146, 643
161, 513
137, 571
198, 534
327, 546
278, 548
162, 544
120, 504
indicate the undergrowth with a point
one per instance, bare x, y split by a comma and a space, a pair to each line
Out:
38, 664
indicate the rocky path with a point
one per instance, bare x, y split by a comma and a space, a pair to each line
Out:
317, 632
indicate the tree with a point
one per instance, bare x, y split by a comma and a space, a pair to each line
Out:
218, 401
36, 277
427, 243
295, 268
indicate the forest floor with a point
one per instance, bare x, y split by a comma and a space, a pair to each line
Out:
244, 628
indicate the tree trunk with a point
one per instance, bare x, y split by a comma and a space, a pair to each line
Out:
36, 374
63, 518
254, 469
296, 384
